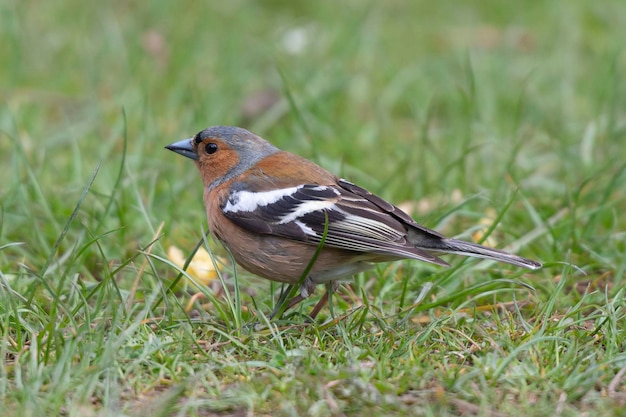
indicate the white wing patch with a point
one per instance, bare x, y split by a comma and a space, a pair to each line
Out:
248, 201
306, 208
306, 229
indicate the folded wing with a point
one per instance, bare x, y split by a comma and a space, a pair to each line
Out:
357, 220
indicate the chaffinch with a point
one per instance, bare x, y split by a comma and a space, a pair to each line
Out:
270, 209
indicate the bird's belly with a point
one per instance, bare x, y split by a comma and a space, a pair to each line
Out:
285, 260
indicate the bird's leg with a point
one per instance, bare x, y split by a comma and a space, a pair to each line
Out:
293, 302
320, 304
307, 288
318, 307
332, 286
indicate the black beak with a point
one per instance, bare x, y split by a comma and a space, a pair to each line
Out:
184, 148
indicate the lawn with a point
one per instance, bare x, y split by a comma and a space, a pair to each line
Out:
494, 121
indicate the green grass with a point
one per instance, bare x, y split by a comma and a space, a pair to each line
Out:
464, 107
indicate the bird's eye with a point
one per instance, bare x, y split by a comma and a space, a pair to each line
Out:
211, 148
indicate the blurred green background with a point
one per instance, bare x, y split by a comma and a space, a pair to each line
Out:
431, 96
408, 99
455, 107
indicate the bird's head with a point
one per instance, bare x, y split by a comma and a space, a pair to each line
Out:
223, 152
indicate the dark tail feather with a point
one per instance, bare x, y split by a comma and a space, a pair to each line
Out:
472, 249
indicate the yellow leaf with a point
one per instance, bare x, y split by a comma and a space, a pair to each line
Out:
201, 267
486, 221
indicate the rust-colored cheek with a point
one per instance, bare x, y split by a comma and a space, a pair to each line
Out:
215, 166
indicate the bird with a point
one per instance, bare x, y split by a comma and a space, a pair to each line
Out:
273, 209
